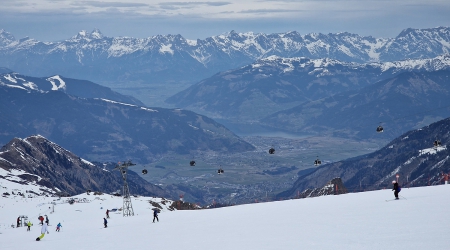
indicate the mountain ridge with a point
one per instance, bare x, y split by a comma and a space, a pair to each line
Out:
403, 102
61, 172
94, 56
104, 130
272, 84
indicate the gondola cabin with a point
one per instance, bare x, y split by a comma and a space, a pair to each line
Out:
380, 129
317, 162
192, 163
220, 171
437, 143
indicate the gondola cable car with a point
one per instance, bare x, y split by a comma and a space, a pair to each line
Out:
380, 129
317, 162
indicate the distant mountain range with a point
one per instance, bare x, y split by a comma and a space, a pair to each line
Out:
272, 84
36, 161
412, 156
101, 129
171, 58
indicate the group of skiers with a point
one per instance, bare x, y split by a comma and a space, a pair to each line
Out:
44, 228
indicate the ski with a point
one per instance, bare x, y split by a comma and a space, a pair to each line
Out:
392, 200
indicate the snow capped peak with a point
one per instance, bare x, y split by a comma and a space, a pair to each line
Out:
84, 35
6, 38
96, 34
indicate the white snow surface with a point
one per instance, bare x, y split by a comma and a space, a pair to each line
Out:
350, 221
432, 150
9, 182
166, 48
55, 86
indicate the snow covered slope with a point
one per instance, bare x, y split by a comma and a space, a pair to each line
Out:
349, 221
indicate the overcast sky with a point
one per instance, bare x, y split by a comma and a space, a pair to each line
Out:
52, 20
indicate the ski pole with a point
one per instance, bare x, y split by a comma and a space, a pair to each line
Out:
403, 197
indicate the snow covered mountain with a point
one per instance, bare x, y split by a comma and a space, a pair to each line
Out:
412, 156
105, 130
38, 167
169, 58
274, 83
75, 87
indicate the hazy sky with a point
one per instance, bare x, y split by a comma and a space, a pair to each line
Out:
51, 20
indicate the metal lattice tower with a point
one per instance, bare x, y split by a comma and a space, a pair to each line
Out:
127, 206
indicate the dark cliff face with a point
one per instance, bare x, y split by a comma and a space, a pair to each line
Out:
412, 156
63, 171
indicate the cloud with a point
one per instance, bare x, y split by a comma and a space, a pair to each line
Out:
101, 4
266, 11
190, 5
195, 3
61, 19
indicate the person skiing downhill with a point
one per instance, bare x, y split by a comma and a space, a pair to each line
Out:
155, 215
396, 189
43, 231
29, 225
107, 213
105, 222
58, 227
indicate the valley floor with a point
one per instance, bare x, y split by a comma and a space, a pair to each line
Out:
253, 175
351, 221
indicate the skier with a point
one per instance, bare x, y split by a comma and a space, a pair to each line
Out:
58, 227
396, 189
107, 213
105, 222
29, 225
155, 215
18, 221
43, 231
46, 220
41, 219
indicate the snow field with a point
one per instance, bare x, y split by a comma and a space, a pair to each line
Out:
350, 221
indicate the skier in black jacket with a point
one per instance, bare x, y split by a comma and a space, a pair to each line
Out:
396, 189
155, 215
